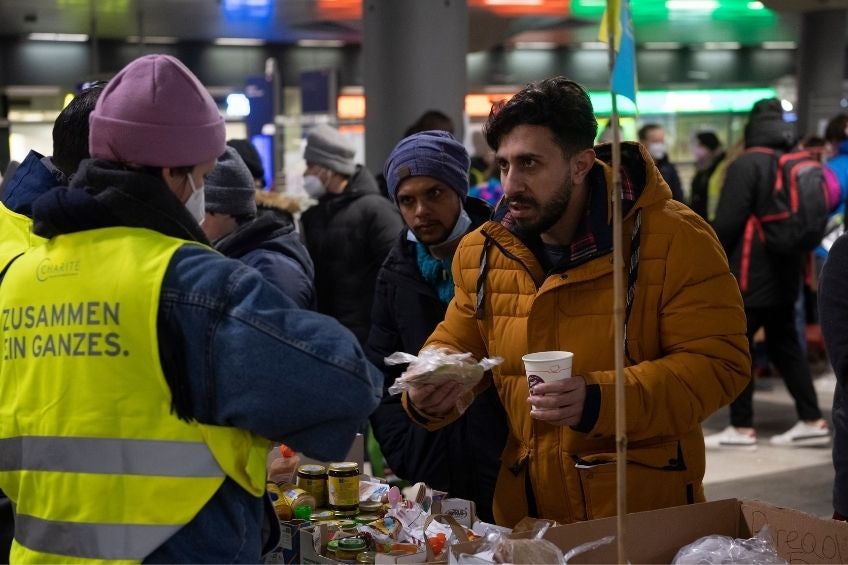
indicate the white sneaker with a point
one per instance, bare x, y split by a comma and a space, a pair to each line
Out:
803, 434
730, 438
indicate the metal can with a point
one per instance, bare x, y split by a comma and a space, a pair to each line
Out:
343, 487
313, 479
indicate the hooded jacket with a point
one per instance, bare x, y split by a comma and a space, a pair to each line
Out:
769, 280
234, 350
348, 236
33, 177
270, 245
685, 334
462, 458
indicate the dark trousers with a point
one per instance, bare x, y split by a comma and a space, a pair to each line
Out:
7, 527
784, 350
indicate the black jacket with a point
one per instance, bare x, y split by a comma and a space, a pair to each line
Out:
833, 312
348, 236
771, 280
271, 245
699, 197
672, 179
464, 457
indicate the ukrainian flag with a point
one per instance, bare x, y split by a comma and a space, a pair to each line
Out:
623, 80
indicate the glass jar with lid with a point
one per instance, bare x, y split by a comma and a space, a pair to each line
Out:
349, 548
313, 479
343, 487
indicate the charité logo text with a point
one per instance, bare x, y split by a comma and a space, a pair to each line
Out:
48, 268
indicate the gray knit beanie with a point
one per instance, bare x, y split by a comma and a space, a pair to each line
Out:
229, 187
327, 147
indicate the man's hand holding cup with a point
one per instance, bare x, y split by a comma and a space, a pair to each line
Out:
555, 396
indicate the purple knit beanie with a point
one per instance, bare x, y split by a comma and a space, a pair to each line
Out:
156, 113
433, 153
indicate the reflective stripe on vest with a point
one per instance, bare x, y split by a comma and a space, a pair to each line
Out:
89, 445
17, 236
90, 541
106, 455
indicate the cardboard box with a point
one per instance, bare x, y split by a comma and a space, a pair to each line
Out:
389, 559
288, 551
656, 536
313, 542
463, 511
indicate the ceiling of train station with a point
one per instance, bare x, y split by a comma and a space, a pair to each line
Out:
335, 22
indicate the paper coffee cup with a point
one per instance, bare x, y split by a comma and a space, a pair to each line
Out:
547, 366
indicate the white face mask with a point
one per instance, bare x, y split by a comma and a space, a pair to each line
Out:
657, 150
313, 186
196, 203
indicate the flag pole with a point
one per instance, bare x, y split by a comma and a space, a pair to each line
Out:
618, 300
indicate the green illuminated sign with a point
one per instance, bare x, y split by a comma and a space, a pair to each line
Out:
653, 10
684, 101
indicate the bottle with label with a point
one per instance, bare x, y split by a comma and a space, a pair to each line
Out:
343, 488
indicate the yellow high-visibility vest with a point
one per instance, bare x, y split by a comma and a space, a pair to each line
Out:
98, 466
17, 236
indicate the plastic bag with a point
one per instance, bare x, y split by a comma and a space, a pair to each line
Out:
434, 366
498, 547
725, 549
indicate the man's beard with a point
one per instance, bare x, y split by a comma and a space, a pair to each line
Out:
549, 214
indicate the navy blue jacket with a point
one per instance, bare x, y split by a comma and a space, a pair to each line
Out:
462, 458
271, 245
235, 352
33, 177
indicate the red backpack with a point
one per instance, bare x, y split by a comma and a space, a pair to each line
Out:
792, 220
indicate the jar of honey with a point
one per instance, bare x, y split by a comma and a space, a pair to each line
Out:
343, 487
313, 479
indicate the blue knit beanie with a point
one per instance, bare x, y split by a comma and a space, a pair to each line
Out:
435, 154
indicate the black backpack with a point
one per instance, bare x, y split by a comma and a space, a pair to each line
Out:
793, 219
